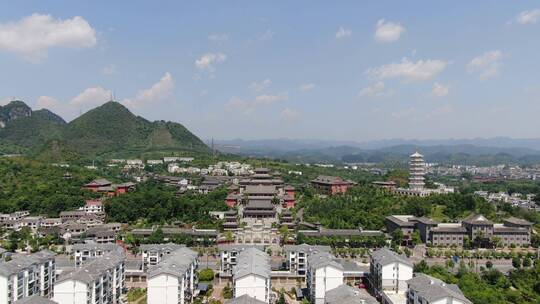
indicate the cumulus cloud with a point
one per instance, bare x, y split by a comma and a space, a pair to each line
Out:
289, 115
375, 90
248, 106
486, 65
409, 70
32, 36
207, 63
388, 31
218, 37
440, 90
343, 33
95, 96
47, 102
157, 92
306, 87
528, 17
260, 86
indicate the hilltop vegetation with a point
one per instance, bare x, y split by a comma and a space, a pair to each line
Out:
110, 130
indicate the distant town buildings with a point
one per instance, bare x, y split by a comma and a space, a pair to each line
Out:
331, 184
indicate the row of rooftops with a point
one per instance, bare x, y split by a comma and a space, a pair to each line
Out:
432, 289
331, 180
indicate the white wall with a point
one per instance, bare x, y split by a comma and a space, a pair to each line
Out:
326, 278
163, 289
3, 289
253, 286
70, 292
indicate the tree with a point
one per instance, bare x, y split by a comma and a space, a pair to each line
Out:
489, 264
516, 262
281, 299
227, 292
527, 262
397, 237
206, 274
415, 237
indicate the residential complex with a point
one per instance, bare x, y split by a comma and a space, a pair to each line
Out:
251, 275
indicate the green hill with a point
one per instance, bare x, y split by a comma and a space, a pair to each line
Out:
109, 130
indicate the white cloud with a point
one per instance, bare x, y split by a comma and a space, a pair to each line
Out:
260, 86
528, 17
32, 36
343, 33
412, 71
47, 102
289, 115
440, 90
486, 65
218, 37
388, 31
306, 87
157, 92
375, 90
207, 61
93, 96
248, 106
109, 70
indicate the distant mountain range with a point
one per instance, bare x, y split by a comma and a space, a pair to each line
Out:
456, 151
108, 130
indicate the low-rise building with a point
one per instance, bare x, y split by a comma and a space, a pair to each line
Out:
99, 281
153, 254
229, 256
251, 276
331, 184
323, 275
297, 256
89, 251
173, 280
389, 272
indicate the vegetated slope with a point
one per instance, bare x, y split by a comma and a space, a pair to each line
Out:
108, 130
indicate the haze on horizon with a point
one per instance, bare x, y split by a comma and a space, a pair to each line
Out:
306, 69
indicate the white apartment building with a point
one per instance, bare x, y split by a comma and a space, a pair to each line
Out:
152, 254
174, 279
84, 252
424, 289
389, 273
324, 273
251, 276
229, 255
297, 256
27, 275
99, 281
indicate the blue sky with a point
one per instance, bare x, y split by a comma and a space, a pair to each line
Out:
354, 70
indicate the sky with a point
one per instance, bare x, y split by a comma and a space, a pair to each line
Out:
342, 70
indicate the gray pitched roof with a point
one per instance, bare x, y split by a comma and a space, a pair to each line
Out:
177, 263
19, 262
432, 289
252, 261
385, 256
323, 259
245, 299
97, 247
93, 269
250, 189
518, 221
350, 295
35, 299
477, 219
